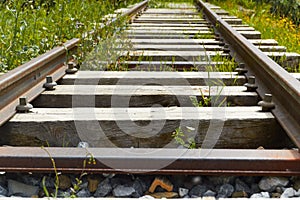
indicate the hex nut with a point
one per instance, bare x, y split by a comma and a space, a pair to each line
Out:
23, 106
267, 104
251, 86
50, 84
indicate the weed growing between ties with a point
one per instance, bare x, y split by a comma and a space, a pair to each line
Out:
30, 28
183, 139
108, 54
89, 160
210, 97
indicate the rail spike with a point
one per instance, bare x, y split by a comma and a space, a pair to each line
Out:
241, 70
50, 84
71, 68
267, 104
24, 106
251, 86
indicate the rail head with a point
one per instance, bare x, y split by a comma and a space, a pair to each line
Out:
135, 9
154, 161
270, 76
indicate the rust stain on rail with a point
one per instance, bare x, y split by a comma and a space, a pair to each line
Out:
154, 161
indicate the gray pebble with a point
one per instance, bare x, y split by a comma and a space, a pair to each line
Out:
260, 195
265, 194
15, 187
83, 193
3, 191
123, 191
279, 190
209, 193
255, 188
256, 195
31, 180
121, 180
183, 192
269, 184
288, 192
225, 191
197, 191
21, 185
103, 189
139, 188
241, 186
145, 182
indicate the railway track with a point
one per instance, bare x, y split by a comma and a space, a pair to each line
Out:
129, 118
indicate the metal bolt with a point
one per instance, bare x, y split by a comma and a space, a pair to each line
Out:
50, 84
267, 103
251, 87
217, 36
226, 48
241, 70
23, 106
222, 41
71, 68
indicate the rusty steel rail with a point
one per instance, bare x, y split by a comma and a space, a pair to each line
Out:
155, 161
136, 9
270, 77
28, 79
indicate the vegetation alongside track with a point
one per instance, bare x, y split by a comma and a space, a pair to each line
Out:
270, 25
289, 8
30, 28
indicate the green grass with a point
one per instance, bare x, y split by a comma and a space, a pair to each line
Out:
271, 26
28, 30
